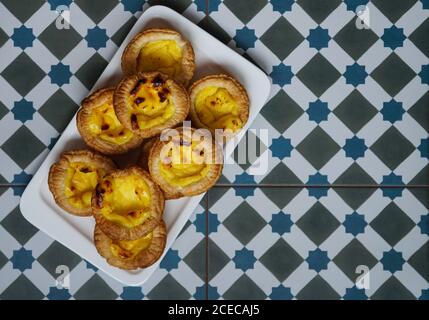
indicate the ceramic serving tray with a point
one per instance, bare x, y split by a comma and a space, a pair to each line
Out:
76, 233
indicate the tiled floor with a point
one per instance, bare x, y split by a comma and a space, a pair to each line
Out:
347, 182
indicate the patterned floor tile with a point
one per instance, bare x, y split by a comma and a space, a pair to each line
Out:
29, 262
264, 247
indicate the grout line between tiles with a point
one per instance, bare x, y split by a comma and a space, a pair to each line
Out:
206, 275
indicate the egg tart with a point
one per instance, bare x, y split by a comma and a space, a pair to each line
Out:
100, 128
147, 103
72, 180
184, 164
218, 102
127, 204
162, 50
132, 254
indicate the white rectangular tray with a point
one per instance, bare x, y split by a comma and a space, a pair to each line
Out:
212, 56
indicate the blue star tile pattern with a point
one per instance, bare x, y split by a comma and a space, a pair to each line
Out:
355, 148
392, 180
352, 5
200, 222
424, 74
318, 111
424, 224
355, 223
56, 3
23, 110
318, 38
244, 259
60, 74
424, 148
244, 178
281, 147
318, 260
96, 38
393, 37
208, 6
58, 294
424, 295
281, 223
133, 6
281, 293
282, 5
392, 111
23, 37
318, 179
425, 4
22, 259
132, 293
200, 293
171, 260
355, 74
282, 74
355, 294
245, 38
392, 261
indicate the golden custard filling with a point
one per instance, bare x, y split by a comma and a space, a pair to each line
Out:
124, 200
80, 182
162, 55
184, 165
104, 124
128, 249
151, 104
217, 109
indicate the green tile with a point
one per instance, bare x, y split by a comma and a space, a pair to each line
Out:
355, 41
69, 40
355, 197
393, 74
245, 10
58, 110
3, 260
244, 289
97, 9
21, 289
211, 26
353, 255
23, 147
318, 74
393, 9
248, 150
280, 196
18, 226
91, 70
420, 111
319, 10
419, 37
3, 37
318, 223
318, 147
3, 110
422, 195
282, 38
123, 31
177, 5
355, 111
355, 175
392, 224
281, 111
56, 254
23, 74
217, 259
168, 289
244, 223
95, 289
281, 174
281, 260
392, 148
422, 178
195, 259
392, 289
420, 262
317, 289
214, 194
23, 9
